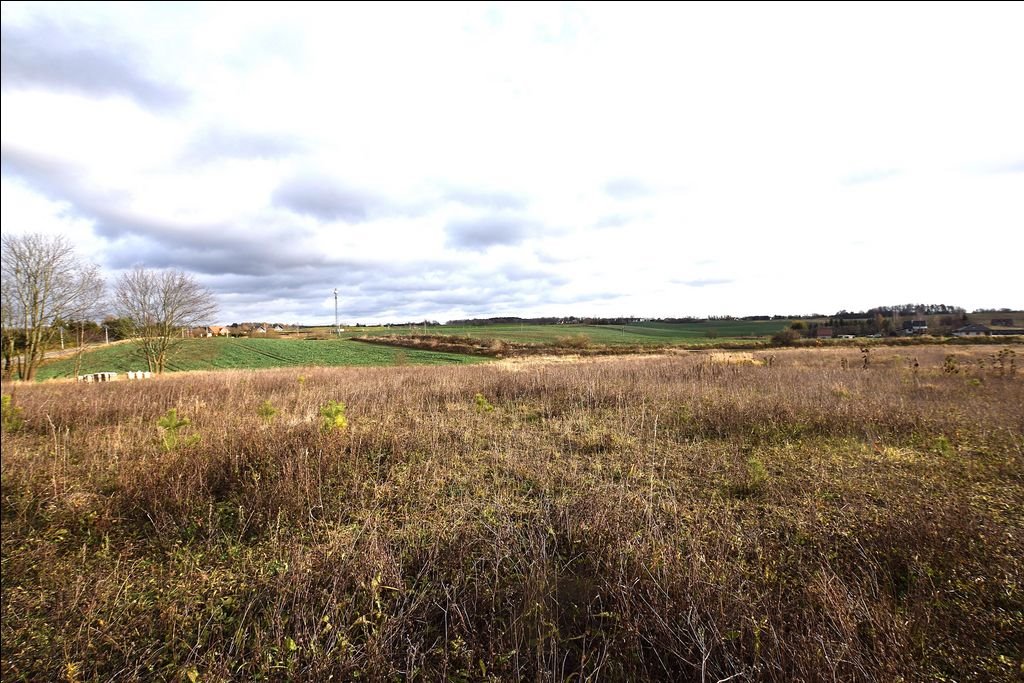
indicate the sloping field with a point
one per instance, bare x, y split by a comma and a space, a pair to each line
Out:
637, 333
221, 354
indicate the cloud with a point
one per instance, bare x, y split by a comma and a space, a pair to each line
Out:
52, 177
706, 282
220, 142
488, 199
479, 234
327, 199
141, 238
620, 219
873, 176
82, 60
409, 290
627, 188
998, 168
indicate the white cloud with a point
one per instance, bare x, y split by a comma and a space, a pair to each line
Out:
661, 160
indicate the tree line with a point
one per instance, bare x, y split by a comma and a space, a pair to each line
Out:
47, 288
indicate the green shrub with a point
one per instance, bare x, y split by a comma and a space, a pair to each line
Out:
785, 337
12, 420
172, 426
333, 417
482, 404
267, 411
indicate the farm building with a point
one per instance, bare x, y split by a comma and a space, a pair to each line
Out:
972, 330
210, 331
823, 333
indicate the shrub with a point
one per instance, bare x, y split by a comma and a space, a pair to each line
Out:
482, 404
785, 337
12, 420
172, 425
333, 417
573, 341
267, 411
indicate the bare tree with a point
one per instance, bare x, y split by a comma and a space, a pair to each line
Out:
158, 305
44, 282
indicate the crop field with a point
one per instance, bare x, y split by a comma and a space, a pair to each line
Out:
776, 515
638, 333
219, 354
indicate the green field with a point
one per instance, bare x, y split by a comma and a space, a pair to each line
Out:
653, 333
225, 354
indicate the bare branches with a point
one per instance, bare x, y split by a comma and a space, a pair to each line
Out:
158, 304
44, 283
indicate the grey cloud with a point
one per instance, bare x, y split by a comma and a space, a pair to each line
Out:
327, 200
218, 142
157, 242
80, 59
479, 234
264, 267
627, 188
387, 290
49, 176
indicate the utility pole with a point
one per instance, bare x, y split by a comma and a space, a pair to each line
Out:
337, 330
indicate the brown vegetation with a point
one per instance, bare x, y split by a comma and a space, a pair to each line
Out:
582, 345
567, 345
782, 515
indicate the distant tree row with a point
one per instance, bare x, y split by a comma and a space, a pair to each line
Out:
47, 289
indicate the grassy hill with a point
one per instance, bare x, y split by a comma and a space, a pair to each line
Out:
223, 354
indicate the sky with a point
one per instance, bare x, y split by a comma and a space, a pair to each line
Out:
443, 161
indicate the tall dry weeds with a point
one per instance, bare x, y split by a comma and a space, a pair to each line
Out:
774, 516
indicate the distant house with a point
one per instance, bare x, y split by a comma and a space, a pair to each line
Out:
217, 331
915, 326
823, 333
262, 329
972, 330
1002, 322
278, 328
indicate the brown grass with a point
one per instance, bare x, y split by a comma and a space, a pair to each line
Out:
674, 518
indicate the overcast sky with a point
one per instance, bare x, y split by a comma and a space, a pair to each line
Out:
448, 161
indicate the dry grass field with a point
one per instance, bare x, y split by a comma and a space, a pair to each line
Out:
785, 515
